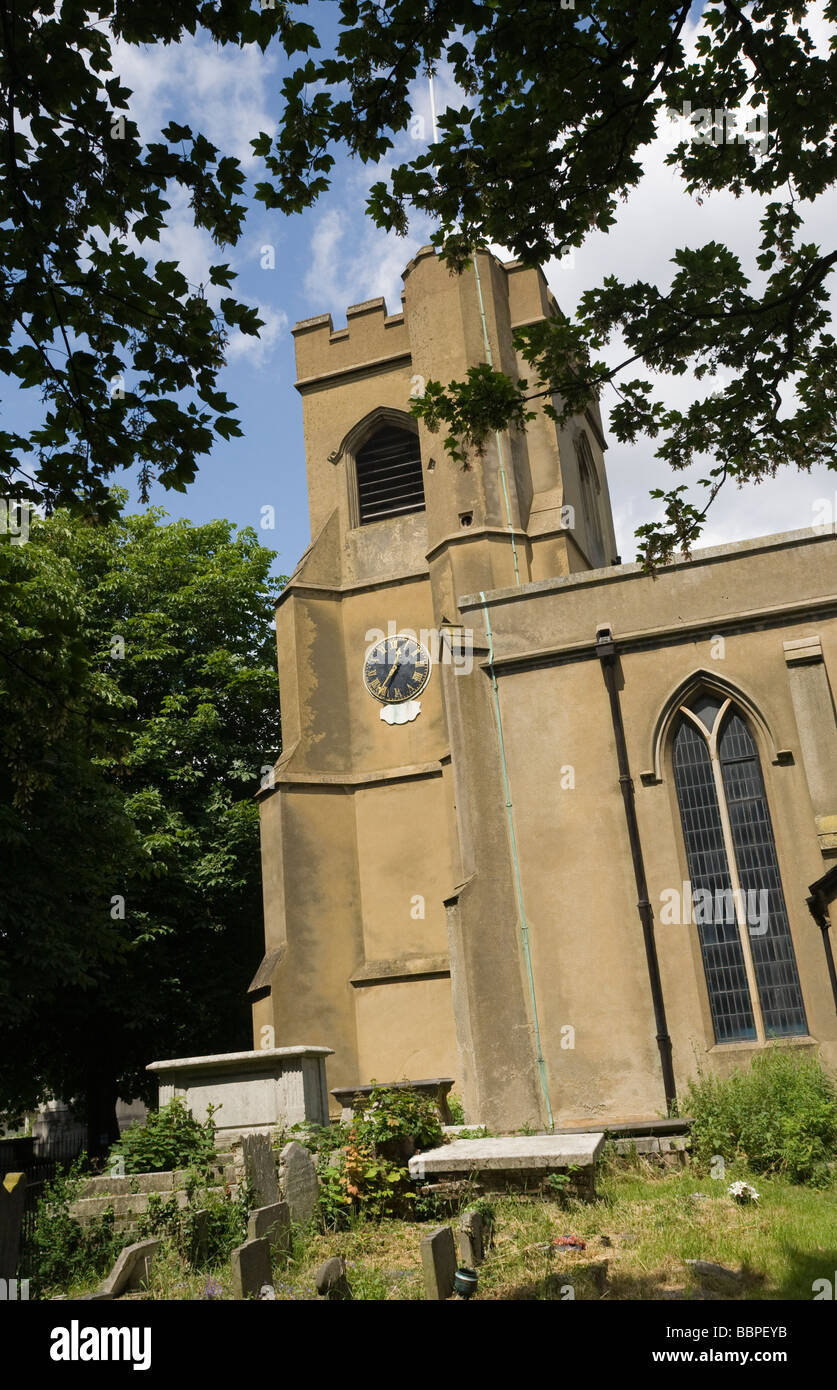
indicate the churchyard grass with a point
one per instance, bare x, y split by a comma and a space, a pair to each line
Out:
644, 1224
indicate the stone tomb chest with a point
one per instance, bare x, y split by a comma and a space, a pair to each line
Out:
256, 1091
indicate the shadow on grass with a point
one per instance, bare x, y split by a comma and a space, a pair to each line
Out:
587, 1281
597, 1282
804, 1268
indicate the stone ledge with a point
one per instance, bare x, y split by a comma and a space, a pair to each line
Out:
262, 1059
650, 1144
537, 1153
380, 972
128, 1206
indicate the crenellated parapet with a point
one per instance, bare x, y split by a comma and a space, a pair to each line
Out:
372, 336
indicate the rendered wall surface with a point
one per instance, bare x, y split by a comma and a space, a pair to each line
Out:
405, 867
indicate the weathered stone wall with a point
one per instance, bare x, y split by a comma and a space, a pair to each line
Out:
129, 1196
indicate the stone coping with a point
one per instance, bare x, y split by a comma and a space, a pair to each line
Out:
780, 540
625, 1129
519, 1153
431, 1083
262, 1059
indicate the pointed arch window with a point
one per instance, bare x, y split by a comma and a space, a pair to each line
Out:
589, 485
738, 902
388, 475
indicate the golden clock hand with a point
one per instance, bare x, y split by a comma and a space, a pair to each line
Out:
392, 670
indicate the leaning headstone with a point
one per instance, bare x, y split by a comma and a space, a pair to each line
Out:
298, 1181
471, 1239
255, 1162
12, 1200
251, 1268
132, 1268
274, 1223
330, 1279
199, 1236
438, 1262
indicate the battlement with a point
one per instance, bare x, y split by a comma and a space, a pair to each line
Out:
374, 338
371, 335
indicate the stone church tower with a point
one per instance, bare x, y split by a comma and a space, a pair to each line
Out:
461, 877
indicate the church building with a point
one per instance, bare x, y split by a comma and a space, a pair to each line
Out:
556, 828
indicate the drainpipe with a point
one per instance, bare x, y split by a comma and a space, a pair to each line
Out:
606, 652
823, 893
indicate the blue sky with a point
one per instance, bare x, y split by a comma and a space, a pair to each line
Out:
333, 256
323, 261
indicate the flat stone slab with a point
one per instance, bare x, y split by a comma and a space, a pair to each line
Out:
543, 1153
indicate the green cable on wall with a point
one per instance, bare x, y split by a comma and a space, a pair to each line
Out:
524, 925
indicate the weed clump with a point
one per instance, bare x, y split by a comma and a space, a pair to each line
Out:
779, 1116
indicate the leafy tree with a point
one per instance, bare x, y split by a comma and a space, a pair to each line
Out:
136, 660
125, 354
557, 106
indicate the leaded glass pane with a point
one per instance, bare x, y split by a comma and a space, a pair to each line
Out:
763, 901
723, 958
706, 708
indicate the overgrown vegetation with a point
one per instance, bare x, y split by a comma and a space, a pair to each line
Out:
65, 1252
206, 1231
170, 1138
399, 1115
456, 1108
362, 1166
136, 713
778, 1116
68, 1255
638, 1235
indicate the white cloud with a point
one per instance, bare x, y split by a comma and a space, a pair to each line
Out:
351, 261
181, 241
222, 92
243, 347
373, 266
658, 217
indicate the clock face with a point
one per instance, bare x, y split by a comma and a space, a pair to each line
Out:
396, 669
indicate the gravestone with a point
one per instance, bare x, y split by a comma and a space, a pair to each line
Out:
330, 1279
12, 1200
471, 1239
438, 1262
298, 1181
251, 1268
131, 1270
274, 1224
255, 1162
199, 1237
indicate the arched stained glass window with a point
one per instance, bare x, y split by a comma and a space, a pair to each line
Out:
739, 906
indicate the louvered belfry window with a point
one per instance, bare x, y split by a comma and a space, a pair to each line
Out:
389, 481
